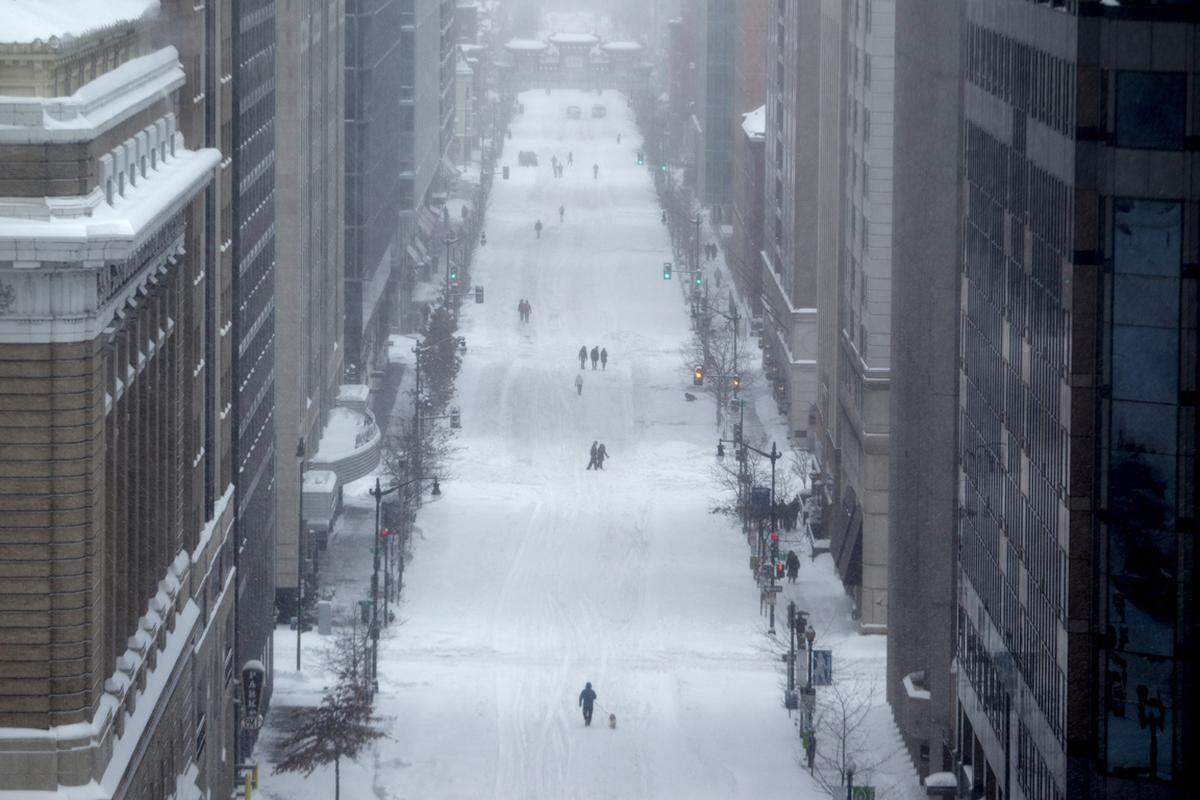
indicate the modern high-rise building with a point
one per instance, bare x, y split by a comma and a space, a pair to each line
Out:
714, 118
859, 525
378, 135
746, 198
253, 327
1078, 396
923, 467
801, 198
116, 614
310, 163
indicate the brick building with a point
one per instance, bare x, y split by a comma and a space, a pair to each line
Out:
115, 475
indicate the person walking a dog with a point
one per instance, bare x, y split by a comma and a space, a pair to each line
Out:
587, 699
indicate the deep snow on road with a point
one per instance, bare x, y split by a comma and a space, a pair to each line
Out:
532, 575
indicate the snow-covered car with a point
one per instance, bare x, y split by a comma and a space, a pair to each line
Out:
599, 110
574, 112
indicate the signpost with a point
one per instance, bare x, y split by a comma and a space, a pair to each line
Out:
822, 667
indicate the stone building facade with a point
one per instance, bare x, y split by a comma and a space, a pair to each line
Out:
922, 488
859, 536
116, 614
310, 158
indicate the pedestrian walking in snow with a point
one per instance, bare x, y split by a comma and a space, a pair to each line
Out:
618, 138
570, 159
595, 171
561, 211
537, 228
664, 216
587, 699
603, 358
521, 309
578, 384
583, 356
592, 459
595, 356
601, 455
793, 566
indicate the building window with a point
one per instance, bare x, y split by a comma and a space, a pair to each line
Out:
1151, 109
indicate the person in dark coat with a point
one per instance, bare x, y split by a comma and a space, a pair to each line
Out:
586, 699
604, 358
601, 455
592, 460
537, 228
595, 170
561, 211
583, 356
793, 566
595, 356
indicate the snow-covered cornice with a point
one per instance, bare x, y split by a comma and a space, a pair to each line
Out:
63, 278
97, 107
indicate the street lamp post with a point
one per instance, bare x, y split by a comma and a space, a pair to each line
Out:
378, 492
774, 455
300, 552
448, 242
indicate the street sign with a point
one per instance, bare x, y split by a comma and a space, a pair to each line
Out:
772, 589
822, 667
253, 673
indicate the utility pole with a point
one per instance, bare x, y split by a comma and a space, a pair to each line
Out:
377, 493
417, 445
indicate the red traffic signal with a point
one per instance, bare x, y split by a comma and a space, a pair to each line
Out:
775, 536
384, 533
778, 569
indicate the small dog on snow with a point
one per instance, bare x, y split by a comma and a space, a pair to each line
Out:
612, 721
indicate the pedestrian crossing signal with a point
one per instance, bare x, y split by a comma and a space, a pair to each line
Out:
667, 271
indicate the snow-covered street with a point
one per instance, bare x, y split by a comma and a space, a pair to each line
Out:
531, 574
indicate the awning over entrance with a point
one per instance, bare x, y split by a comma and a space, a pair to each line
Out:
845, 543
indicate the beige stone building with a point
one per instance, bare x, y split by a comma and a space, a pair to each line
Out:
116, 619
310, 164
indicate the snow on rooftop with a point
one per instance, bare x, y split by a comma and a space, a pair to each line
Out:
754, 123
525, 44
573, 38
623, 47
26, 20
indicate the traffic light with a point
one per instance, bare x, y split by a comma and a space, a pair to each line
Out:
384, 533
664, 167
453, 273
774, 545
698, 377
699, 277
778, 569
641, 158
479, 293
455, 418
666, 270
735, 383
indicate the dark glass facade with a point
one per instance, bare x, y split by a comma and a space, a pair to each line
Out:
375, 89
1078, 364
254, 324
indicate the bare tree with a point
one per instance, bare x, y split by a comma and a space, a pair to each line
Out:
343, 723
843, 723
715, 349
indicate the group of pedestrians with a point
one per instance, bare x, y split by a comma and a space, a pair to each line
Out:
599, 455
524, 310
597, 354
711, 251
788, 514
